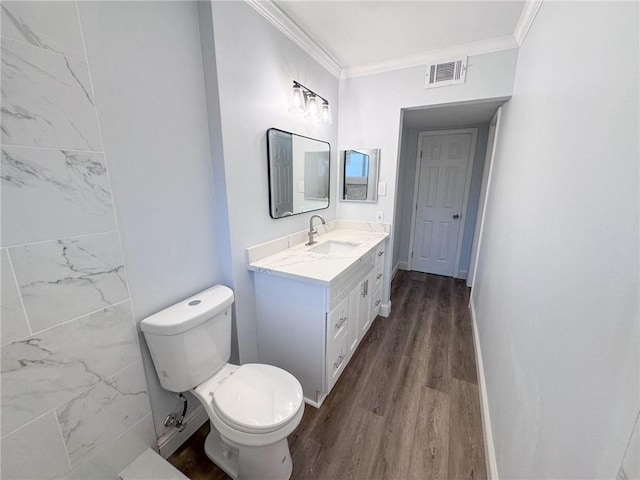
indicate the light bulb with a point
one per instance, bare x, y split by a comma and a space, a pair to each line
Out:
313, 109
296, 100
325, 114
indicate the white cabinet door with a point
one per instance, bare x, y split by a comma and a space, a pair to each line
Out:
337, 350
373, 297
337, 321
336, 359
364, 303
353, 328
376, 300
379, 272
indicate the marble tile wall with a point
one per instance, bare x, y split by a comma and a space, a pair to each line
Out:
72, 383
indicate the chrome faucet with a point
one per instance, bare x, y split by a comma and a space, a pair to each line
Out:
313, 231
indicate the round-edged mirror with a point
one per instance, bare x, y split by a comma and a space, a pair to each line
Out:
298, 173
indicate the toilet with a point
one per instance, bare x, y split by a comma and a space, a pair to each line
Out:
252, 408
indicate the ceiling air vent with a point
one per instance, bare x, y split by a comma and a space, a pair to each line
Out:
447, 72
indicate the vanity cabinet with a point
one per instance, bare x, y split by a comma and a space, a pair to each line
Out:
312, 330
337, 349
377, 275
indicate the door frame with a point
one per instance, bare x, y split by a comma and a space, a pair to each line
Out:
485, 188
416, 185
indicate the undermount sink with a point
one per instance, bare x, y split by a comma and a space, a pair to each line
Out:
334, 247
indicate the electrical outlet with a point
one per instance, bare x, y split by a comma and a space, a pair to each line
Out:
380, 216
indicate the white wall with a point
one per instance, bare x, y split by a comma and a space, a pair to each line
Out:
256, 65
556, 289
150, 92
370, 118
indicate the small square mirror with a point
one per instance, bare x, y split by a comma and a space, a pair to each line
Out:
359, 175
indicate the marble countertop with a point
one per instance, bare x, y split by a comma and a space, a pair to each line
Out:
302, 263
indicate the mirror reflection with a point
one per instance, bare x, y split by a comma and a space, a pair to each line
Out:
360, 175
298, 173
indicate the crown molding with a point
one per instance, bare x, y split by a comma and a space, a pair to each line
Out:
282, 22
525, 21
475, 48
270, 11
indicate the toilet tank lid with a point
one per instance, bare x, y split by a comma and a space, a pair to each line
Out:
189, 313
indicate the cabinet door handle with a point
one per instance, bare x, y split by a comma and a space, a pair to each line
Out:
363, 293
338, 362
378, 276
381, 253
366, 288
378, 302
340, 322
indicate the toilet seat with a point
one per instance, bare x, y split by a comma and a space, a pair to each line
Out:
224, 420
258, 398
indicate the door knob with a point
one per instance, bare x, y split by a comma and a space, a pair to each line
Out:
456, 216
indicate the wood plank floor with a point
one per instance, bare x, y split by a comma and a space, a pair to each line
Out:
406, 406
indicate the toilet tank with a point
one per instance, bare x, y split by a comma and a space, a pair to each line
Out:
191, 340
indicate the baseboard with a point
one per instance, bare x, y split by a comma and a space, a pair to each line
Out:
489, 447
170, 441
385, 309
313, 403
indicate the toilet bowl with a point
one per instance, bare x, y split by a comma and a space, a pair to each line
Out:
252, 408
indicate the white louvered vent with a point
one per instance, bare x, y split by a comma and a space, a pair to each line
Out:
448, 72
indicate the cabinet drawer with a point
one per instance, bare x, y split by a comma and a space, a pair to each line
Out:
336, 359
377, 280
376, 301
379, 256
341, 287
337, 321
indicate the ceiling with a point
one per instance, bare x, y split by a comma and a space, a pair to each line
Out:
356, 34
462, 115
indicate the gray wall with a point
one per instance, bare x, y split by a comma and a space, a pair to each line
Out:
630, 466
370, 117
149, 87
401, 208
557, 281
74, 399
407, 167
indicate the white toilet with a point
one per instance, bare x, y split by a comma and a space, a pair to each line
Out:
252, 408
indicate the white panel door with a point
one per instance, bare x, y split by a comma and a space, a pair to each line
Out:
443, 166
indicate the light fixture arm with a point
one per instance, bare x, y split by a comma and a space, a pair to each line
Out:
308, 91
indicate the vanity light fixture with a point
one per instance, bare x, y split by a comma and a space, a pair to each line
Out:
325, 114
297, 102
313, 109
303, 100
